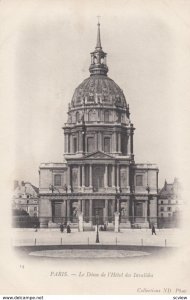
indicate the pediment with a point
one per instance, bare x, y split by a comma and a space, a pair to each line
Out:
98, 155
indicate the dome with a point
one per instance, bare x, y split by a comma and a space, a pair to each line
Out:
98, 89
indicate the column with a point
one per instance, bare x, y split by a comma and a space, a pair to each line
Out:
96, 141
83, 176
90, 175
80, 205
68, 210
79, 175
113, 176
117, 166
68, 143
119, 142
90, 211
129, 143
115, 142
118, 204
65, 144
63, 211
100, 141
106, 176
80, 142
133, 210
145, 208
83, 209
106, 211
132, 142
113, 207
71, 143
69, 177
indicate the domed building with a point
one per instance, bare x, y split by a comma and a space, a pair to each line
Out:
99, 182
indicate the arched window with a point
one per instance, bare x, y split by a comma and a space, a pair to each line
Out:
74, 145
77, 117
92, 115
106, 116
107, 144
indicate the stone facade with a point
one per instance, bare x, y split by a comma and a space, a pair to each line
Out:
99, 178
170, 204
25, 197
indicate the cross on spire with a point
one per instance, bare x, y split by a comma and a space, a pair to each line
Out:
98, 56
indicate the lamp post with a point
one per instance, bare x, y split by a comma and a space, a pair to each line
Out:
97, 231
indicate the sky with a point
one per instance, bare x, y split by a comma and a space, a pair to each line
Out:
45, 54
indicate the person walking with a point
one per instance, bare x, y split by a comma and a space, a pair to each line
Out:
61, 227
68, 229
153, 230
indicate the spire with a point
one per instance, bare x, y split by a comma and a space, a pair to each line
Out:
98, 44
98, 58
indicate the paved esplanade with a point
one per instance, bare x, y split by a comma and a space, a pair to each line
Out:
139, 237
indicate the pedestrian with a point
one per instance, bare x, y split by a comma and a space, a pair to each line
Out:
68, 229
35, 227
61, 227
105, 228
153, 230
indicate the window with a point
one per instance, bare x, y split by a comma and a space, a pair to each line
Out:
57, 180
107, 144
106, 116
77, 117
87, 174
169, 201
90, 144
169, 208
110, 175
162, 202
123, 144
74, 144
161, 214
92, 116
161, 209
139, 180
35, 208
139, 209
169, 215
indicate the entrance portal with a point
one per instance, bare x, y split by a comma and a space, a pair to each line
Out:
98, 212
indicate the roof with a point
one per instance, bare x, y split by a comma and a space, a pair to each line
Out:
98, 89
170, 189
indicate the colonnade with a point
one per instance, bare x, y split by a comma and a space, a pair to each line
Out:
114, 176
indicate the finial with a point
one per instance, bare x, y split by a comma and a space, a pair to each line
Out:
98, 44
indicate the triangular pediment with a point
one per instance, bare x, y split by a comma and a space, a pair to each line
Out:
98, 155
